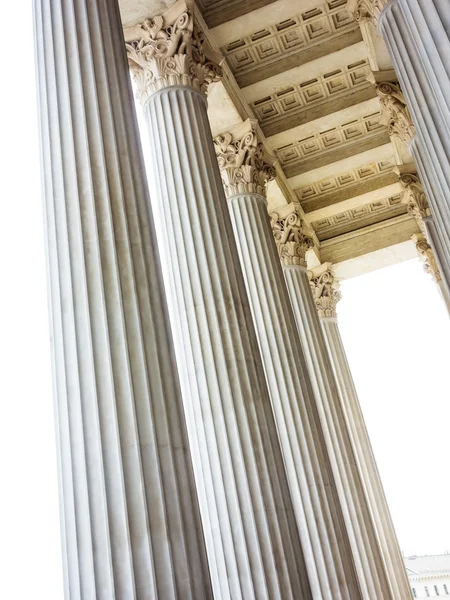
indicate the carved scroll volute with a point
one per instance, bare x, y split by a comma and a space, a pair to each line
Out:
292, 237
243, 163
169, 50
366, 10
325, 290
394, 111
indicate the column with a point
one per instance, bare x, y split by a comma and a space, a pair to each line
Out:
416, 34
293, 241
326, 295
252, 542
245, 171
414, 197
130, 520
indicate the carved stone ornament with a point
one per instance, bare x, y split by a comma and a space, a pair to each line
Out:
395, 113
426, 253
291, 237
243, 165
415, 198
325, 290
169, 50
366, 10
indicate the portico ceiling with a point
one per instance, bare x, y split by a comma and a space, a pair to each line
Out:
301, 69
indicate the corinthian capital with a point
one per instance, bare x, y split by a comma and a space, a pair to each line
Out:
325, 290
366, 10
291, 236
415, 198
426, 253
244, 167
170, 49
395, 113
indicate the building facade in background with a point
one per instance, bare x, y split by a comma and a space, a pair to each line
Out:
429, 576
210, 438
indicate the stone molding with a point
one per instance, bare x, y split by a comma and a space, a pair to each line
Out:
395, 113
427, 255
244, 167
170, 50
415, 198
366, 10
291, 236
325, 290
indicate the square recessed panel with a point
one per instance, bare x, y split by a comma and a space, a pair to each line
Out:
353, 131
346, 179
367, 171
267, 49
309, 147
292, 39
372, 122
318, 29
330, 138
337, 85
287, 154
307, 192
327, 185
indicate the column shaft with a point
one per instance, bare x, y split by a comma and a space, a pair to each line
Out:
130, 520
253, 545
316, 503
416, 33
398, 580
358, 519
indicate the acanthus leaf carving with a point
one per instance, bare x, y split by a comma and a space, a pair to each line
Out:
367, 10
325, 290
244, 167
427, 255
395, 113
415, 198
170, 50
292, 237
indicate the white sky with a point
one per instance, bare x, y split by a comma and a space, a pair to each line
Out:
392, 321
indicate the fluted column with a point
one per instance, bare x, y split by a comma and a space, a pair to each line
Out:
326, 295
292, 240
416, 34
416, 201
253, 545
130, 521
245, 171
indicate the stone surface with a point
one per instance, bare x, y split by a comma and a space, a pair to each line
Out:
130, 519
252, 541
392, 558
416, 33
319, 520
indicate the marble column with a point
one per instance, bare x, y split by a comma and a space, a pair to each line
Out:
416, 34
130, 518
252, 541
416, 201
245, 171
293, 241
326, 295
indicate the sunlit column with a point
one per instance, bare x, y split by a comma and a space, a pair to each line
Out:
414, 197
416, 34
293, 241
245, 171
130, 520
326, 295
252, 541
